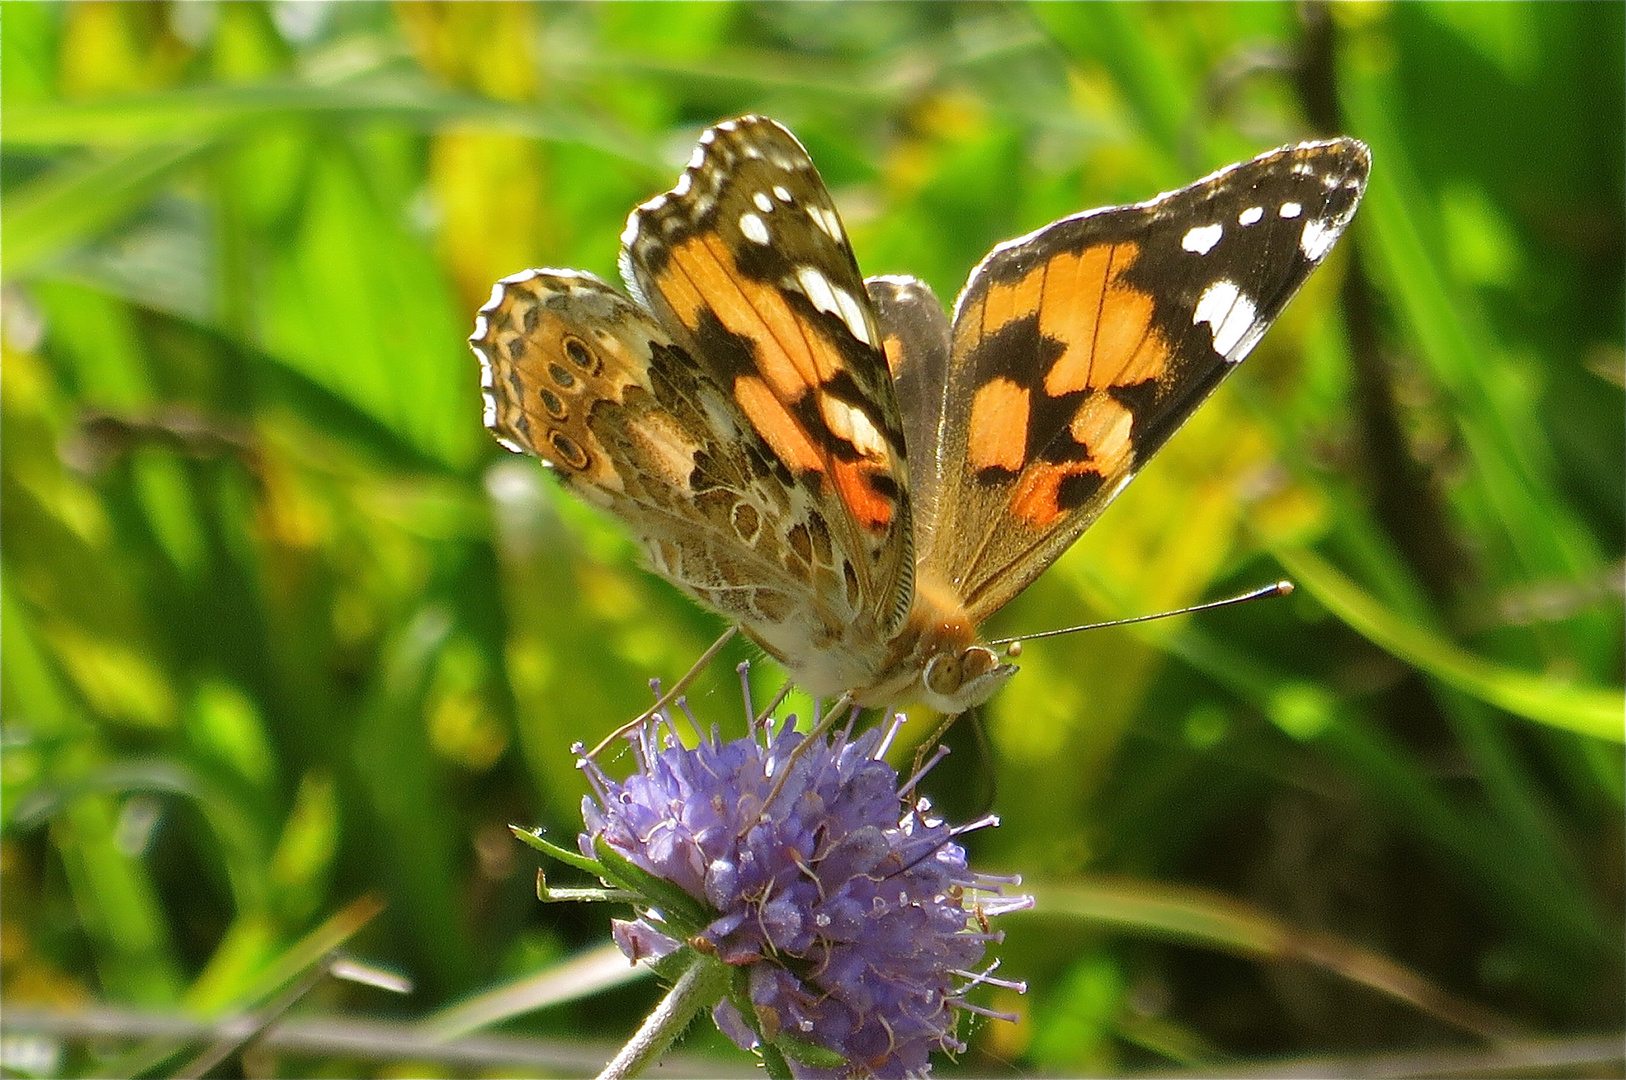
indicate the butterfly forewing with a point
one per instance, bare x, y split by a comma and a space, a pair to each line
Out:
1079, 349
747, 262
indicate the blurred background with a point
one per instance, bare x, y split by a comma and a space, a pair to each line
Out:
289, 641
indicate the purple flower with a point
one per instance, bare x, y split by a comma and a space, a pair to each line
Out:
847, 905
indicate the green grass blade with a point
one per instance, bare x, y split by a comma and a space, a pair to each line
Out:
1587, 710
77, 201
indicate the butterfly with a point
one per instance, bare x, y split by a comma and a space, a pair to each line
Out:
853, 477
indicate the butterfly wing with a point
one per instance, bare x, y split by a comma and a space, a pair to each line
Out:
1079, 349
915, 338
577, 374
737, 413
747, 265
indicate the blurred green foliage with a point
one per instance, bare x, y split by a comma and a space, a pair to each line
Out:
283, 628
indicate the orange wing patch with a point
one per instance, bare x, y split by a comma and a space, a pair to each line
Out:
1105, 326
854, 481
792, 361
1007, 301
999, 426
1103, 426
1040, 499
1081, 291
1048, 490
790, 441
701, 274
892, 346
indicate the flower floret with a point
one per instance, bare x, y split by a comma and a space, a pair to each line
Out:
846, 901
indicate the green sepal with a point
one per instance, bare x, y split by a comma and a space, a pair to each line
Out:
810, 1054
774, 1063
533, 838
553, 894
686, 915
673, 964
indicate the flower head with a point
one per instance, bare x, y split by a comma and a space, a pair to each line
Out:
849, 906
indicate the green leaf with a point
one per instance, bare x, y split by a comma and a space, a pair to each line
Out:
75, 202
210, 112
1586, 710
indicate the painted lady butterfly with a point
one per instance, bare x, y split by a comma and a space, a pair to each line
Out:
831, 462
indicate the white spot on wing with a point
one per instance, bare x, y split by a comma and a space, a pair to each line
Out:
1290, 210
851, 424
816, 287
782, 195
1318, 237
682, 187
852, 313
1251, 215
832, 300
1231, 318
826, 219
763, 203
753, 228
1202, 238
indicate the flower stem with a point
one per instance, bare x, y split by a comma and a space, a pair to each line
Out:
699, 987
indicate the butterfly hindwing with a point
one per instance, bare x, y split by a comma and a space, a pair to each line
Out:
577, 374
915, 337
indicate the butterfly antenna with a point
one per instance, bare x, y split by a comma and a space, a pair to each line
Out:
1275, 588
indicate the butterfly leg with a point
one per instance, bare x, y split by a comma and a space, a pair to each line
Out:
778, 699
671, 695
929, 743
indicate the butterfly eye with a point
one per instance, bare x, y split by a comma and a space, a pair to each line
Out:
580, 355
946, 673
955, 682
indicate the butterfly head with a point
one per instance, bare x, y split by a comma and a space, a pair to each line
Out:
955, 680
945, 665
